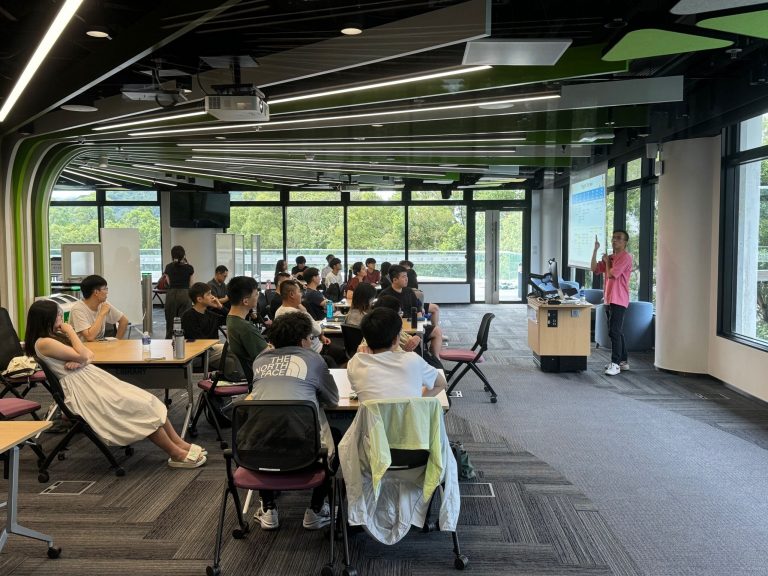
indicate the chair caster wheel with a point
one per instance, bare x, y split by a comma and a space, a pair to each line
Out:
119, 472
129, 451
43, 477
493, 399
54, 553
349, 571
326, 570
211, 571
239, 533
61, 456
461, 562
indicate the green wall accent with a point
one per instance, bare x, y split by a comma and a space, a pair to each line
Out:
753, 24
650, 42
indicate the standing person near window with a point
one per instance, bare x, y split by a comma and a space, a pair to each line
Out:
179, 273
372, 276
617, 267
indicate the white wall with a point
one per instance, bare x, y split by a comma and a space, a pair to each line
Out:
546, 228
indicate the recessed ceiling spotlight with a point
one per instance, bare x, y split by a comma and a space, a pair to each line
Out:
220, 137
377, 125
351, 30
615, 24
79, 108
98, 32
359, 138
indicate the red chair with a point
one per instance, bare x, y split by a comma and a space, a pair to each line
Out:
212, 393
10, 347
469, 358
12, 408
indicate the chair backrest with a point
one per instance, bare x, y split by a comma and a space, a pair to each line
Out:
482, 332
53, 386
10, 346
352, 338
275, 435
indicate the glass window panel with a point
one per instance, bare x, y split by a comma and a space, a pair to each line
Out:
499, 194
751, 314
376, 196
418, 195
71, 225
375, 232
267, 222
633, 229
634, 169
254, 196
610, 177
315, 196
754, 132
479, 256
437, 242
146, 219
59, 195
314, 232
131, 196
655, 240
609, 210
510, 255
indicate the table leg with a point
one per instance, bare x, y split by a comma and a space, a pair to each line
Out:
12, 526
190, 400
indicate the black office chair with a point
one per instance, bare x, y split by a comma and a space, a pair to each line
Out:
79, 425
276, 446
10, 347
353, 336
469, 358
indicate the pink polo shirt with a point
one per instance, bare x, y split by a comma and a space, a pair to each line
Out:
617, 288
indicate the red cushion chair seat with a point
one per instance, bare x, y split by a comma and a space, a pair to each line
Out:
38, 376
223, 390
459, 355
301, 480
15, 407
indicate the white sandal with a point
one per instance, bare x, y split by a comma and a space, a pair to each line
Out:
193, 459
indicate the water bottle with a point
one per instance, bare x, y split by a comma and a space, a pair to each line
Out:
178, 341
328, 310
146, 346
414, 318
582, 296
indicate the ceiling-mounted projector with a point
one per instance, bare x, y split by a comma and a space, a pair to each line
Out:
238, 108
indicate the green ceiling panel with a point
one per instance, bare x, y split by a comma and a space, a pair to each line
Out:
750, 24
650, 42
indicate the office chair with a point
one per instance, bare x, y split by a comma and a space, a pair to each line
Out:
395, 458
276, 446
469, 358
353, 336
12, 408
10, 347
79, 425
211, 392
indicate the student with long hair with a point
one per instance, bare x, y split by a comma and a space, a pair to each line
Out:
179, 273
361, 303
118, 412
280, 266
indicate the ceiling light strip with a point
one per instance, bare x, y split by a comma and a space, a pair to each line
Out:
344, 117
150, 120
51, 36
467, 70
366, 169
197, 173
125, 175
72, 180
350, 143
89, 176
298, 163
161, 165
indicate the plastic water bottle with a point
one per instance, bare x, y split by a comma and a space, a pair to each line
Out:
582, 296
328, 310
146, 346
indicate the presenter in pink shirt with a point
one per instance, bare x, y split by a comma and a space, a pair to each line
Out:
617, 267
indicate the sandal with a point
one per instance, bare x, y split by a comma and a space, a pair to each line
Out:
203, 451
194, 459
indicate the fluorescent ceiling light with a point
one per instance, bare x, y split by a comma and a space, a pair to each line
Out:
432, 76
150, 120
291, 163
183, 168
125, 175
332, 167
89, 176
71, 179
57, 27
78, 108
195, 173
229, 145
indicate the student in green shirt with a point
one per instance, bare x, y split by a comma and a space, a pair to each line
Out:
245, 339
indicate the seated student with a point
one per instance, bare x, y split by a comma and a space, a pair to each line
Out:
408, 299
90, 315
358, 272
298, 270
218, 286
313, 300
292, 371
384, 282
291, 293
361, 303
413, 283
274, 300
327, 268
199, 322
280, 266
372, 276
334, 275
408, 342
120, 413
245, 340
387, 372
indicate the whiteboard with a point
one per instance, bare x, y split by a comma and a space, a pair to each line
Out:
586, 219
121, 267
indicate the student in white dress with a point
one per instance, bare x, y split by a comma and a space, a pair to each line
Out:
118, 412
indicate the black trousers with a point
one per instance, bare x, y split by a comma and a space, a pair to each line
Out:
615, 315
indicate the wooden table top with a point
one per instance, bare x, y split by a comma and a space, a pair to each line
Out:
14, 432
130, 352
346, 403
407, 326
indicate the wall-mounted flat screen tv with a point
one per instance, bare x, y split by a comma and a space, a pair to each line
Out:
196, 209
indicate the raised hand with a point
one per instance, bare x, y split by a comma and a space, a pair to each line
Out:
597, 243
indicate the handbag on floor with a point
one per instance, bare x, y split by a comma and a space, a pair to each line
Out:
463, 463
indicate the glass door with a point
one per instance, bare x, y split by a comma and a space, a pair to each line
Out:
499, 261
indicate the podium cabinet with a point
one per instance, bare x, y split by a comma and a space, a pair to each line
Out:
558, 335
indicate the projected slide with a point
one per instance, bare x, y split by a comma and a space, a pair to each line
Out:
586, 218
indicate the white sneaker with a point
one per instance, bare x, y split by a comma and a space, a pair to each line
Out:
317, 520
267, 518
612, 369
624, 366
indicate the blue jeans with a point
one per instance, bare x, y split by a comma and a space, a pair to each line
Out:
615, 315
